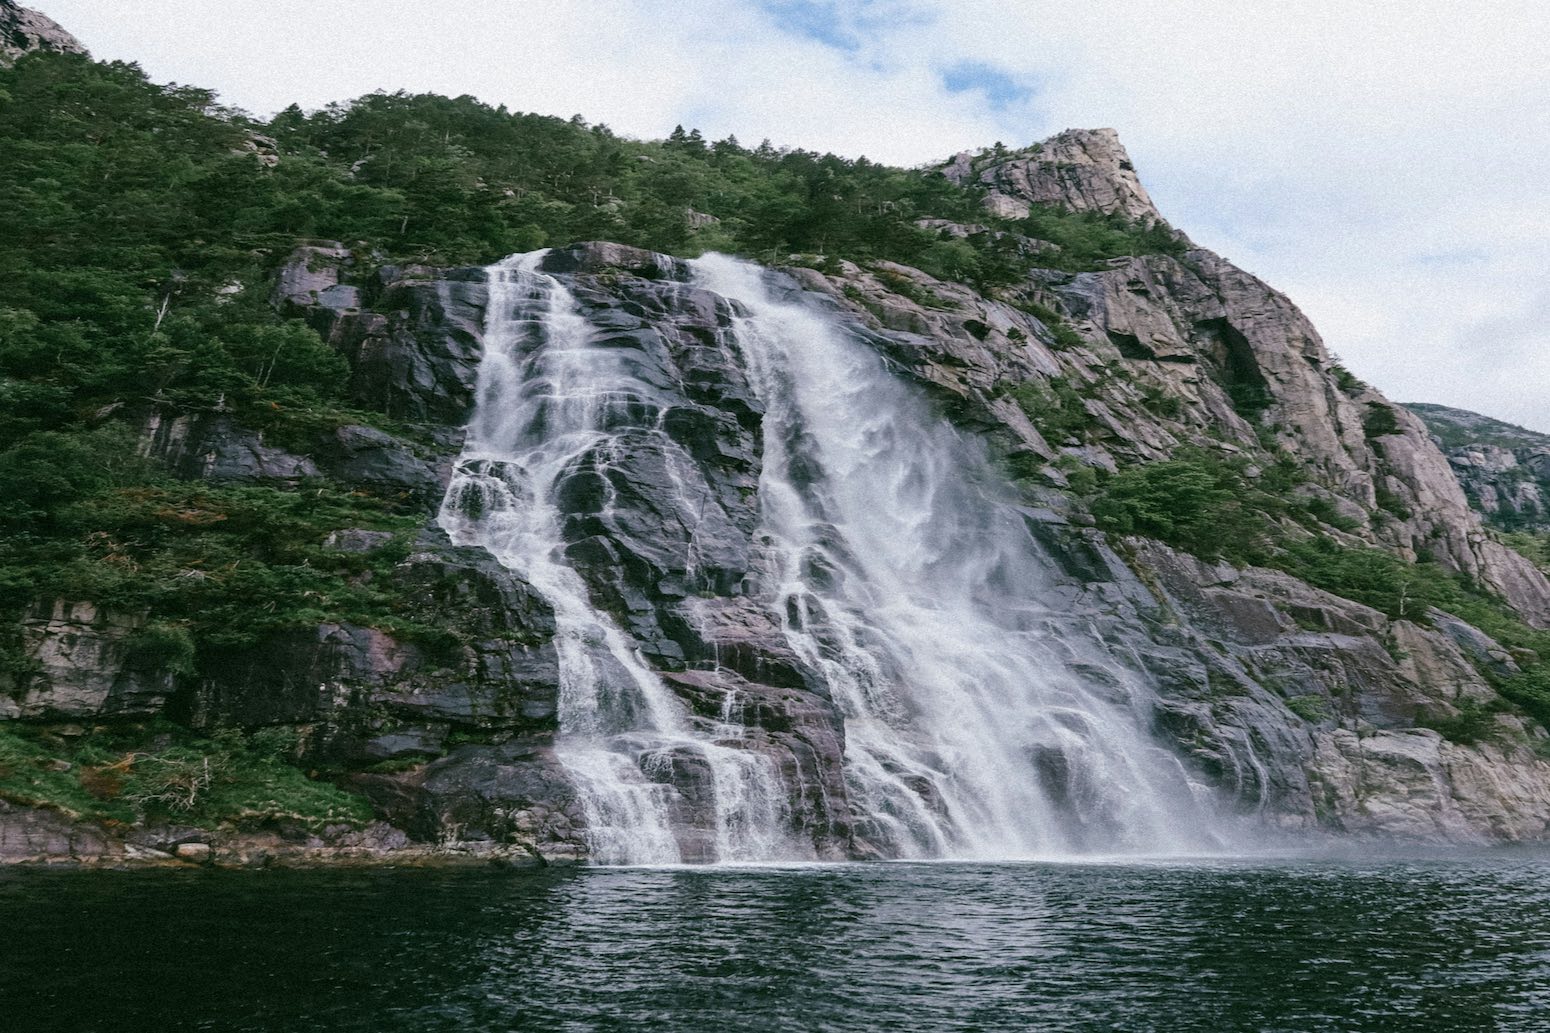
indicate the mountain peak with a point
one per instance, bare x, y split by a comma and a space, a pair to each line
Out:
1085, 170
23, 30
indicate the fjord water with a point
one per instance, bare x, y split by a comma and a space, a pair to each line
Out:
978, 723
1450, 944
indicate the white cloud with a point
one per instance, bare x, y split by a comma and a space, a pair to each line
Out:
1382, 162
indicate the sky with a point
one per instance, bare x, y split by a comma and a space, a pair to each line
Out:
1382, 162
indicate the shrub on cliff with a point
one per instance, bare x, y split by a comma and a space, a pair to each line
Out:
1199, 502
160, 771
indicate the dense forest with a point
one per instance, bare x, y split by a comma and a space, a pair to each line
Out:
143, 221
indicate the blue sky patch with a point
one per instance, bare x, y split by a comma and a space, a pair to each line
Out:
816, 19
844, 24
999, 88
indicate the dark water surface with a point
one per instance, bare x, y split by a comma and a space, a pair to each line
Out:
1441, 944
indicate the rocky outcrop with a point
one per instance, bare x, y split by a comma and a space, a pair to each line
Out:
364, 695
38, 836
310, 280
1321, 712
23, 31
211, 447
86, 662
1085, 170
1504, 470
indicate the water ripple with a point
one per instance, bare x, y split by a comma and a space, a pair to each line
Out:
1297, 945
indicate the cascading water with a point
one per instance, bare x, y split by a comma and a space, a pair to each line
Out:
978, 722
549, 402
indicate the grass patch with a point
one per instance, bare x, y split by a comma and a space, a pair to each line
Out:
907, 288
1311, 709
216, 567
158, 771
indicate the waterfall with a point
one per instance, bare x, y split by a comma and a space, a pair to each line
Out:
979, 721
548, 402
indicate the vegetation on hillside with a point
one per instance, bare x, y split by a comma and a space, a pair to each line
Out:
142, 221
1204, 504
158, 770
139, 227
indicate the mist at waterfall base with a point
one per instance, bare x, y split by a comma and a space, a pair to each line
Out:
1448, 944
978, 723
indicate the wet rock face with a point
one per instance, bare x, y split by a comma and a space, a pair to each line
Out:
510, 794
667, 511
662, 522
416, 355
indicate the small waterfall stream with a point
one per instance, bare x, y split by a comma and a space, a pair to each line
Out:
977, 722
547, 401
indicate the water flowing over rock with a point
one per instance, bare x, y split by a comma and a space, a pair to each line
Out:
734, 563
976, 722
558, 413
913, 601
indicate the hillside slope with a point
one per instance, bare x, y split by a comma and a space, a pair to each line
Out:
238, 633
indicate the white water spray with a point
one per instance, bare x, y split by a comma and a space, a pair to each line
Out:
548, 404
978, 723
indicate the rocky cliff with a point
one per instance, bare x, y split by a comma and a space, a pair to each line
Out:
1304, 708
1083, 170
23, 30
1504, 469
1302, 711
